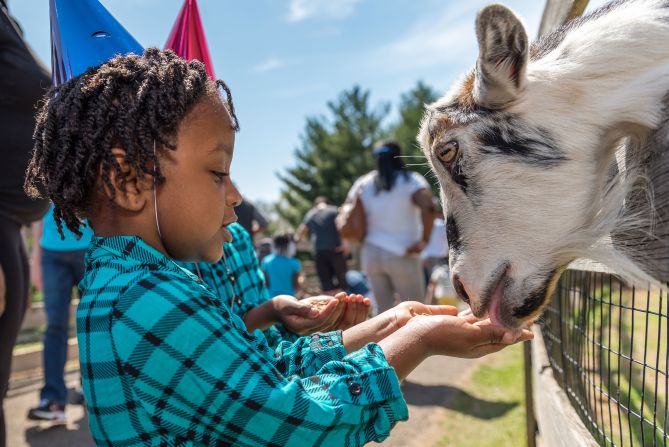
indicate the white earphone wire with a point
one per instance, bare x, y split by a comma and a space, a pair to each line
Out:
155, 195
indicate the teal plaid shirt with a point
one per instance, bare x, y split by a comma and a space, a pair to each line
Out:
242, 283
165, 362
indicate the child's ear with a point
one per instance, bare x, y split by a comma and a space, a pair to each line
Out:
132, 188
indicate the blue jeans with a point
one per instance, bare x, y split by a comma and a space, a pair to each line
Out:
61, 271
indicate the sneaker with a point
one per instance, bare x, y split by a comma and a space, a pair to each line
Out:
48, 411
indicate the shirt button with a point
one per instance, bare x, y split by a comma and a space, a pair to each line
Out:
330, 343
355, 389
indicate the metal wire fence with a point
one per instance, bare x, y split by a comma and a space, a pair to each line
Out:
607, 344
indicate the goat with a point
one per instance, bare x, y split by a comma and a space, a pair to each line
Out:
550, 153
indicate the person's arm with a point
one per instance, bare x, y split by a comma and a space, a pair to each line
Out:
36, 256
385, 324
287, 309
262, 316
423, 200
264, 272
296, 281
429, 294
223, 380
425, 335
302, 232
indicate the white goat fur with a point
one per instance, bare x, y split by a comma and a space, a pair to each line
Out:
601, 90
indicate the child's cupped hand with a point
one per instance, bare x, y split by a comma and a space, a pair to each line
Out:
356, 311
321, 313
464, 336
406, 310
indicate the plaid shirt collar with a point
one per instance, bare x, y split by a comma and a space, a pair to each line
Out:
134, 252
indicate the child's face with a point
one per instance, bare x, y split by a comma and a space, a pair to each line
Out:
197, 199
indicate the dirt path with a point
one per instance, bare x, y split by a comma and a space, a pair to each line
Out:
428, 391
24, 433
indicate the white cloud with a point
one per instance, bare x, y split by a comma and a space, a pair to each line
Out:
269, 64
305, 9
444, 38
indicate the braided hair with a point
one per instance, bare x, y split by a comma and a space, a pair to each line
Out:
134, 102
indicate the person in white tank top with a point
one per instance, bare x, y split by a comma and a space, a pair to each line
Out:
399, 209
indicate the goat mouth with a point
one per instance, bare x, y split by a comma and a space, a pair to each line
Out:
494, 310
537, 299
493, 293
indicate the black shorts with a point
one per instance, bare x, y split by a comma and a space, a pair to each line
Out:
331, 269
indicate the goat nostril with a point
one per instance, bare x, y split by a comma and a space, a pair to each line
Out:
460, 289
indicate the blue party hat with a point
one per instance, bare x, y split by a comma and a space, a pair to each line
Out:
84, 34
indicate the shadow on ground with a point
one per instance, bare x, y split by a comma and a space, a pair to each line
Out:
455, 399
22, 432
75, 433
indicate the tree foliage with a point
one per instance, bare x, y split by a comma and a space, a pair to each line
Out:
337, 149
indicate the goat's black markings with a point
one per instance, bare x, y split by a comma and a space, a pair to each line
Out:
535, 299
453, 234
458, 174
532, 147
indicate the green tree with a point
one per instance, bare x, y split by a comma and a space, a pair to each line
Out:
336, 149
334, 152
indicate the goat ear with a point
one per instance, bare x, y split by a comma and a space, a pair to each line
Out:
502, 60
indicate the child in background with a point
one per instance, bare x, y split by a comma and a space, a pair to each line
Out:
282, 272
142, 147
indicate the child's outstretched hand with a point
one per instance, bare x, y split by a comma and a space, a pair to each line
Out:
357, 310
464, 336
406, 310
313, 314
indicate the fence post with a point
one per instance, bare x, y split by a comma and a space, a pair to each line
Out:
530, 421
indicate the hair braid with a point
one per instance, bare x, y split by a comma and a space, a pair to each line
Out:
130, 101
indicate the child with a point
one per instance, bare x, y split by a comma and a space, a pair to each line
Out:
238, 279
282, 272
142, 146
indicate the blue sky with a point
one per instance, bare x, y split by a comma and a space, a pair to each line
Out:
284, 59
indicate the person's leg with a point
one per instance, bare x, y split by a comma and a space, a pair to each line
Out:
78, 268
372, 265
324, 270
407, 277
14, 265
58, 279
338, 262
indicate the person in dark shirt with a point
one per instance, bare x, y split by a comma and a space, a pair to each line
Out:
329, 250
23, 81
247, 214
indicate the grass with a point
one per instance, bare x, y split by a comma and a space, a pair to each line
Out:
604, 324
490, 409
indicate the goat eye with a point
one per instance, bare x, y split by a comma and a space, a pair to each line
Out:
448, 151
